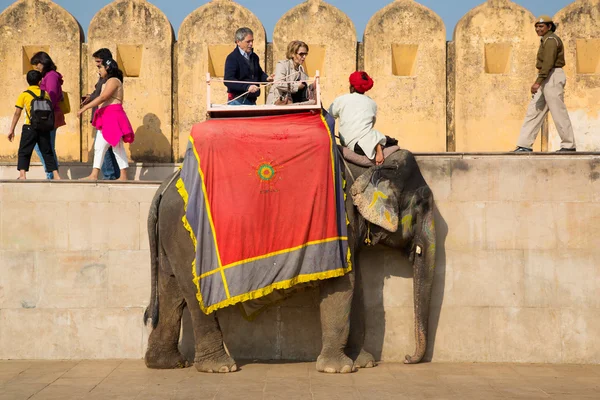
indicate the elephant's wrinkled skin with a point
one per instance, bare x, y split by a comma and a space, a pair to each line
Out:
343, 331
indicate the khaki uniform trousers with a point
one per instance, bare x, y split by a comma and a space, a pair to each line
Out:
550, 97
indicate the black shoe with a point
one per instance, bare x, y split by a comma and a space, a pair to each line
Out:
520, 149
563, 150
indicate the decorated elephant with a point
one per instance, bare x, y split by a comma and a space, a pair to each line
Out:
341, 299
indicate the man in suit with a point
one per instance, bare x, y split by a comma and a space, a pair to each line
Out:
243, 65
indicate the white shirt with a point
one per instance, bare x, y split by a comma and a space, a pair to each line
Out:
246, 55
357, 113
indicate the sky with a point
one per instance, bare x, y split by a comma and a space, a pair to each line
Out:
269, 11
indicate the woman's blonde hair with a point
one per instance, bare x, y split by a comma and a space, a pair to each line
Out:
293, 48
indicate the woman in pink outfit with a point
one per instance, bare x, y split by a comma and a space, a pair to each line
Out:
110, 119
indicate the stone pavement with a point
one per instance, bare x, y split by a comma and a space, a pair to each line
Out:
117, 379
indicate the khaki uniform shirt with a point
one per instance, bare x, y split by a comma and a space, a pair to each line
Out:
551, 54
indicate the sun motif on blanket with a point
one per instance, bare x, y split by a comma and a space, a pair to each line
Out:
266, 172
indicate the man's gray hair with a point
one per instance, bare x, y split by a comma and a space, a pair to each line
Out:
241, 34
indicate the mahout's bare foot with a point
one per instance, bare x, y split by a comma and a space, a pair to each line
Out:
89, 178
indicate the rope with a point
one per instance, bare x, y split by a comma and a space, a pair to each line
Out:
252, 83
282, 80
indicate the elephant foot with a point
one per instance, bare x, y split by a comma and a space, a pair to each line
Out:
216, 364
165, 360
332, 364
365, 360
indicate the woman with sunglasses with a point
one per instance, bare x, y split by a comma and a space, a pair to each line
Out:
290, 78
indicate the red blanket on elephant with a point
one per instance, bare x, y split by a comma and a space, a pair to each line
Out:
264, 206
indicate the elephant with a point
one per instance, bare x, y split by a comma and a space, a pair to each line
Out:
341, 299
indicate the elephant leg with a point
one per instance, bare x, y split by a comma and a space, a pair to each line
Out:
163, 352
210, 354
356, 338
336, 300
423, 272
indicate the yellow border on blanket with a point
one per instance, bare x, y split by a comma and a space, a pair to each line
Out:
185, 196
276, 286
331, 151
275, 253
210, 221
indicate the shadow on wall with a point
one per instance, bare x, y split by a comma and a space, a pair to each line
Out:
439, 282
389, 312
150, 145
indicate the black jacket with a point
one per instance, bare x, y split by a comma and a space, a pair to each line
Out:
238, 69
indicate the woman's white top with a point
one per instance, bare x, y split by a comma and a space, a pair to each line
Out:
357, 113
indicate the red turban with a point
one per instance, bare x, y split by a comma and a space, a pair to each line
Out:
361, 81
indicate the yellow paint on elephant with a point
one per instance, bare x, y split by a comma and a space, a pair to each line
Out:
387, 216
406, 224
377, 194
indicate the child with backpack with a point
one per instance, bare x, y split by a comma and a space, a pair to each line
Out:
39, 122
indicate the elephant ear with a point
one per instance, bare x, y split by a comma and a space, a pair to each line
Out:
375, 199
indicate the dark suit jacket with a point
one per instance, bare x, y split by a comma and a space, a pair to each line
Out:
238, 69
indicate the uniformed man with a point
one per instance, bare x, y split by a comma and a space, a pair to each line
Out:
548, 90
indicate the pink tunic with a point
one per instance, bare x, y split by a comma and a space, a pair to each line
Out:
114, 124
52, 84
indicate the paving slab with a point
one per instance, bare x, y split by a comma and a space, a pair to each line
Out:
130, 379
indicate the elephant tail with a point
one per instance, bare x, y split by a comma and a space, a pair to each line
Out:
151, 311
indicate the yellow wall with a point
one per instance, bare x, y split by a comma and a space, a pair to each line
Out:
205, 39
331, 37
26, 27
469, 95
141, 39
405, 46
496, 45
580, 31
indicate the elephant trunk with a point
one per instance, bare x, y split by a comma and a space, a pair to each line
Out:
423, 272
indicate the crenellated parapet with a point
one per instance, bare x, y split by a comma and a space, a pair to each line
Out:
26, 27
578, 27
205, 39
494, 65
331, 36
466, 95
141, 39
404, 52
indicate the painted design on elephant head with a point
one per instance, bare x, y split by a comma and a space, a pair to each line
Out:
378, 203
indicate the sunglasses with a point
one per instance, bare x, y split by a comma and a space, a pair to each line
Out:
302, 54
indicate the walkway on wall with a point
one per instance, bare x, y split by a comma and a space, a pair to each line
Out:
132, 380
